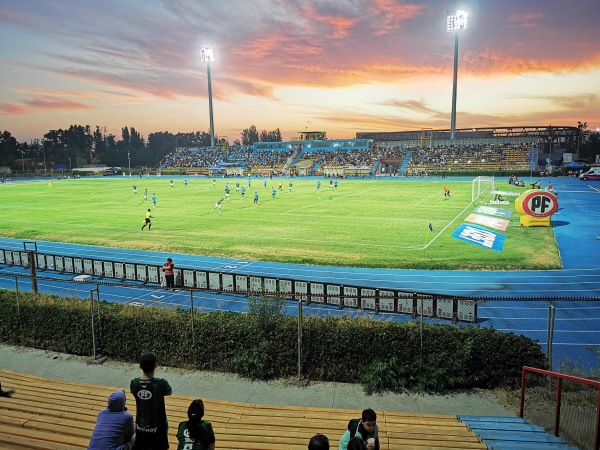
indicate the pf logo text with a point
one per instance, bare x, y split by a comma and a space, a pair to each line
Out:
540, 204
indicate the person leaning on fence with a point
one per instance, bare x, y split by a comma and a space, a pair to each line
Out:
151, 415
114, 427
195, 433
318, 442
169, 269
364, 428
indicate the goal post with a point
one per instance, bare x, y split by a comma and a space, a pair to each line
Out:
481, 186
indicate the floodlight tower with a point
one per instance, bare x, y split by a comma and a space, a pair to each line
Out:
207, 55
455, 22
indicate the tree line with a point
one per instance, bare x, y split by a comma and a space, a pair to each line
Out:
79, 145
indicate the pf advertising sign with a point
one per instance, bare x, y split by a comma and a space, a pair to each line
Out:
536, 207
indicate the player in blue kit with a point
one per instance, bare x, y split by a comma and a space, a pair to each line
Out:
273, 193
256, 199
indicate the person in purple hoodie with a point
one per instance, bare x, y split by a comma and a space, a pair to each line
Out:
115, 426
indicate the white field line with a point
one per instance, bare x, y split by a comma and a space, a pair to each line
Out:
447, 226
428, 198
325, 201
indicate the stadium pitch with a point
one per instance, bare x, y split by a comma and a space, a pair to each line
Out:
397, 224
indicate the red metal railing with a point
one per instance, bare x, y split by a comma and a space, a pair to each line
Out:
559, 388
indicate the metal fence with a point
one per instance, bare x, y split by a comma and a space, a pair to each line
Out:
564, 405
568, 330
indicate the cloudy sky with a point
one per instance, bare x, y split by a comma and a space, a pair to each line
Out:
340, 66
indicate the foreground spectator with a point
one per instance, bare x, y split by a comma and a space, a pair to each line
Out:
357, 443
195, 433
114, 427
318, 442
364, 428
151, 415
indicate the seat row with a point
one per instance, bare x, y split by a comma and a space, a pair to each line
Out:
48, 414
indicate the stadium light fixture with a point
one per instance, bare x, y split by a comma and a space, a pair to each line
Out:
455, 21
207, 55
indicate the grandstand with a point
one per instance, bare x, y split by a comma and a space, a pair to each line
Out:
418, 153
51, 414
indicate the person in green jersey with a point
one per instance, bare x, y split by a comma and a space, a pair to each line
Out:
195, 433
151, 415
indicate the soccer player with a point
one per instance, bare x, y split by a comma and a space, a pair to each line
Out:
185, 182
243, 192
446, 192
335, 184
319, 186
171, 181
145, 195
134, 189
256, 198
237, 186
147, 220
290, 184
330, 184
280, 186
265, 183
218, 204
273, 193
214, 182
154, 200
227, 192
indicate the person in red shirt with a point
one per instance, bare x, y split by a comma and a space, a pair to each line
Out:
169, 268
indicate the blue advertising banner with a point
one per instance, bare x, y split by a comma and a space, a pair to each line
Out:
480, 236
533, 158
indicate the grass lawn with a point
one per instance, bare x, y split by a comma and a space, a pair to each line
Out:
362, 223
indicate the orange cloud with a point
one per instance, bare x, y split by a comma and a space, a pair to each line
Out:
393, 14
11, 109
40, 103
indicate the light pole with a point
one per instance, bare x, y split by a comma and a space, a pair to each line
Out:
69, 165
455, 21
129, 161
207, 55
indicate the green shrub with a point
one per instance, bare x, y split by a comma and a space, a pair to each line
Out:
262, 345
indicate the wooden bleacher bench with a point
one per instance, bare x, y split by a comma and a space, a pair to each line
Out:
46, 414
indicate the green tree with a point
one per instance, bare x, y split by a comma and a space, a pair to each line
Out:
250, 136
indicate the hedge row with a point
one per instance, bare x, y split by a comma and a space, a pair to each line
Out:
382, 355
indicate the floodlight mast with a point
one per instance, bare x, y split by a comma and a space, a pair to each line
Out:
455, 21
207, 55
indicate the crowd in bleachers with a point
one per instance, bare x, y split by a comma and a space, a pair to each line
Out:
467, 157
422, 162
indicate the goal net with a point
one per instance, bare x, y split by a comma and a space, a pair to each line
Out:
481, 186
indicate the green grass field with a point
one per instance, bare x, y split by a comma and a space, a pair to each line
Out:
364, 223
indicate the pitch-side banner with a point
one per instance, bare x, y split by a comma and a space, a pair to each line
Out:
491, 211
480, 236
487, 221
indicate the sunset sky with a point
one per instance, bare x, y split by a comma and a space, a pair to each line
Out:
340, 66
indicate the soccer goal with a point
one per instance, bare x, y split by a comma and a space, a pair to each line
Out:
481, 186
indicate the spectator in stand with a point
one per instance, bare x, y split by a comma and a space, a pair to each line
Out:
195, 433
364, 428
151, 415
114, 427
318, 442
